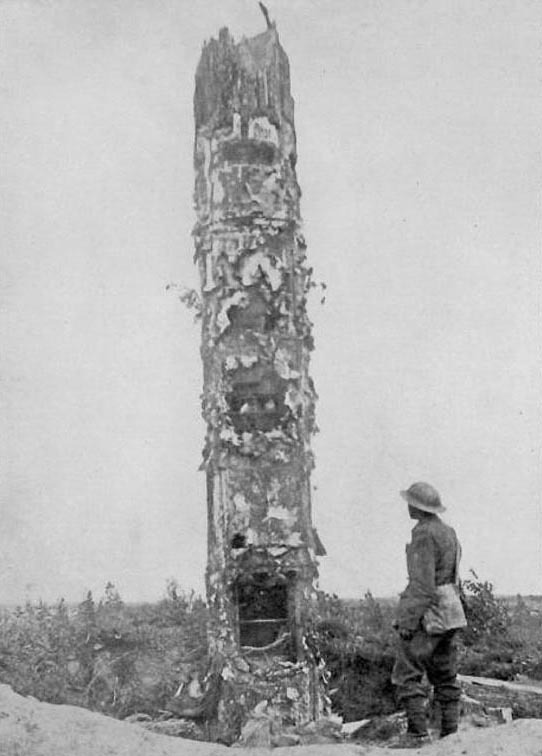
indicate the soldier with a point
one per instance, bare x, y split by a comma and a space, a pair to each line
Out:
432, 561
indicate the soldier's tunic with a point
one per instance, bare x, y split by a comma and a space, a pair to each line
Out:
431, 561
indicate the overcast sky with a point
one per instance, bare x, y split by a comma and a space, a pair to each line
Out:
418, 129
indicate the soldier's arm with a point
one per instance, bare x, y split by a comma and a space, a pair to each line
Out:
421, 589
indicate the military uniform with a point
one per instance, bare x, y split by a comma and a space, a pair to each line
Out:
432, 558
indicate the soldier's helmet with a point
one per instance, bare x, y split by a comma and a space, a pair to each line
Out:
423, 496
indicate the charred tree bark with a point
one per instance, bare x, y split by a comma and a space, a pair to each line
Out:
258, 397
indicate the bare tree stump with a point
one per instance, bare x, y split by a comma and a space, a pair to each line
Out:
258, 397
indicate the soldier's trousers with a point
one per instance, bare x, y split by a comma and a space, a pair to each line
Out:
435, 655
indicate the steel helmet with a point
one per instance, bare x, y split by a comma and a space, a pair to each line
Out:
423, 496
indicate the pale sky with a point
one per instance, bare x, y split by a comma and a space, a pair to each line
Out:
418, 126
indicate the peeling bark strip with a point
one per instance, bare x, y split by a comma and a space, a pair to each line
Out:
258, 398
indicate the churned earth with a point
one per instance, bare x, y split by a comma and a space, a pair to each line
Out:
31, 728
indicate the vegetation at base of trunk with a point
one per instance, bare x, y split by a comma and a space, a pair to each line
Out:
121, 659
356, 639
107, 656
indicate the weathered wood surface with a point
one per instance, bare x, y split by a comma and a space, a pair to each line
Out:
525, 699
258, 398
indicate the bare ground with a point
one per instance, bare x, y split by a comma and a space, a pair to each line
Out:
32, 728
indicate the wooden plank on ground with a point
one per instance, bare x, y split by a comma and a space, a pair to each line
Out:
524, 699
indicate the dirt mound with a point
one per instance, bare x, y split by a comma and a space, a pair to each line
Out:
31, 728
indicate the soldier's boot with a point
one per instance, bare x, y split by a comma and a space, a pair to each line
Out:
416, 716
416, 734
449, 717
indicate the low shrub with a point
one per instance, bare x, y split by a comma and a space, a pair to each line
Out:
121, 659
355, 639
106, 656
487, 645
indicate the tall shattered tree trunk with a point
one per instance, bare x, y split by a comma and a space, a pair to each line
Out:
258, 398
